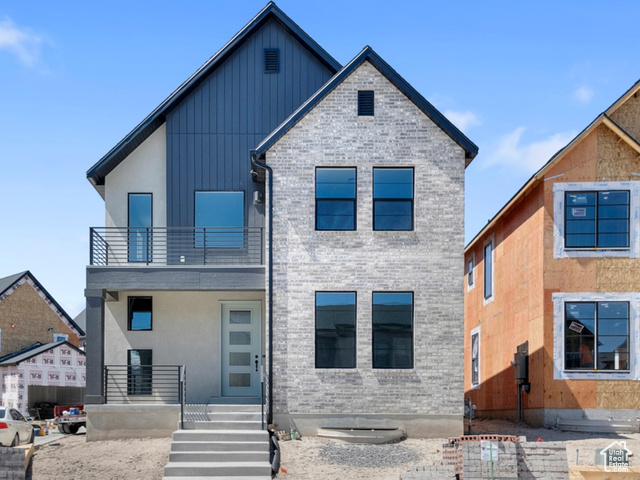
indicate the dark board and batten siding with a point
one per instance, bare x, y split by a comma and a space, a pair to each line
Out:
210, 134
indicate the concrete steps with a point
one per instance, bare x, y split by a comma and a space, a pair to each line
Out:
227, 441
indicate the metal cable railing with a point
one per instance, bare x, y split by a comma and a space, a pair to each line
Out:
116, 246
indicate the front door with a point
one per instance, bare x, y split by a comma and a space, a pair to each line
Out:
241, 349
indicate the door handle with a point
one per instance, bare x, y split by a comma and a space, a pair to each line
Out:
256, 363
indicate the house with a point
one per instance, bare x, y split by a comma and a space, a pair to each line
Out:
552, 292
54, 373
31, 324
269, 227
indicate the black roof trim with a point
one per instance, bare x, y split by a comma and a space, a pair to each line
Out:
16, 278
368, 54
97, 173
34, 350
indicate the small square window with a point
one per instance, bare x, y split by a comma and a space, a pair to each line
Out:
365, 103
140, 313
271, 60
393, 198
60, 337
219, 219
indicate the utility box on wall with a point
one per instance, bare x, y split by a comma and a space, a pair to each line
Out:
521, 363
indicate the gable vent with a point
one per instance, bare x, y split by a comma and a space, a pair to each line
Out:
271, 60
365, 103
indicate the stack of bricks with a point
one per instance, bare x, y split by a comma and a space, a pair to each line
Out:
430, 472
504, 466
12, 463
546, 460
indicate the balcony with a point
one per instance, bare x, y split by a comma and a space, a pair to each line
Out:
177, 246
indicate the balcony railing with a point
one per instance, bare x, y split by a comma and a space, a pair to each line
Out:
148, 384
115, 246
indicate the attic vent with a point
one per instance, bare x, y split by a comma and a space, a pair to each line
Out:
271, 60
365, 103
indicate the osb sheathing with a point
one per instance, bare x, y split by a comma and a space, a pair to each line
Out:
515, 314
628, 116
25, 319
620, 394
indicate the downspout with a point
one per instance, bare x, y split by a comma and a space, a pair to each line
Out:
266, 167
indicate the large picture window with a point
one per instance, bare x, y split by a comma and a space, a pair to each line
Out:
393, 198
219, 219
392, 330
596, 336
139, 372
139, 313
335, 330
597, 219
335, 198
140, 222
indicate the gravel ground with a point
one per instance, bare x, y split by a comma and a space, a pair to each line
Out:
369, 456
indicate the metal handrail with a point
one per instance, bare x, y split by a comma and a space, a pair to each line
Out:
155, 384
183, 393
115, 246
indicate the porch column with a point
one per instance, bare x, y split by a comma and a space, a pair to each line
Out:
95, 346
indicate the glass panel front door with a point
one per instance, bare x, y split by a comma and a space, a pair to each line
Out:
241, 349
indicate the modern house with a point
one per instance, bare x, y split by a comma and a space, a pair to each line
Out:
39, 359
269, 227
552, 293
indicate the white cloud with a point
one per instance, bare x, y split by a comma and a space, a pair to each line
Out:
19, 42
583, 94
510, 152
463, 120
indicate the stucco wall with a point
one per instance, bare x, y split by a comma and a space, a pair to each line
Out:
185, 331
426, 261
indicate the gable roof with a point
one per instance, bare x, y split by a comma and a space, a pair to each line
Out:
368, 54
97, 173
602, 119
7, 283
33, 351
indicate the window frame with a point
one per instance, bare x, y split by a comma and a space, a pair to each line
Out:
201, 238
62, 337
560, 189
145, 388
475, 332
130, 300
329, 200
146, 256
488, 290
411, 200
373, 332
559, 334
471, 270
355, 330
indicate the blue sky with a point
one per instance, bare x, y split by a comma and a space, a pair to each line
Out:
519, 78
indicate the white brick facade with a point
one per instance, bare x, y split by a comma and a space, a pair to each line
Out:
426, 400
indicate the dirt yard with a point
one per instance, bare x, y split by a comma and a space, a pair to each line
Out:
307, 459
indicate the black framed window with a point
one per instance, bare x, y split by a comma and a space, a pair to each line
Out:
596, 336
392, 330
597, 219
140, 222
488, 270
219, 219
335, 329
139, 375
139, 313
393, 198
335, 198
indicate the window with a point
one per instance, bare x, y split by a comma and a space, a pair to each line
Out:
470, 279
596, 336
335, 329
488, 270
139, 313
271, 60
139, 372
392, 330
597, 219
219, 219
60, 337
393, 198
365, 103
475, 357
140, 223
335, 198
